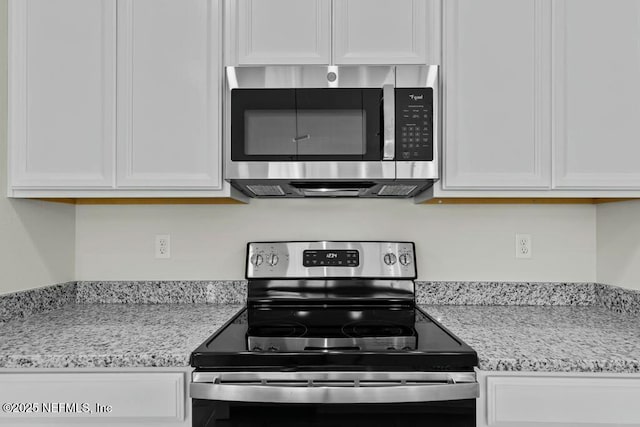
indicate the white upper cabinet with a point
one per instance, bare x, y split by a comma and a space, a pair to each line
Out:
62, 93
168, 94
385, 31
280, 31
596, 79
333, 32
496, 77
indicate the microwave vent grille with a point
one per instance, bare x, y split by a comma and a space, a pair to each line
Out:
266, 190
396, 190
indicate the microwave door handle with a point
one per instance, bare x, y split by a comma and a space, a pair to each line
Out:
301, 138
389, 117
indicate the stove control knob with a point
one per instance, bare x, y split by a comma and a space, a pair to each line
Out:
272, 259
273, 348
256, 348
256, 259
405, 259
389, 258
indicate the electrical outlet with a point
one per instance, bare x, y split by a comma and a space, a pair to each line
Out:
523, 246
163, 246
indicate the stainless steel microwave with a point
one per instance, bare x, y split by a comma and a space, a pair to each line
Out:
332, 131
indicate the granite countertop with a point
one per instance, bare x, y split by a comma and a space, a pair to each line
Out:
152, 324
546, 338
110, 335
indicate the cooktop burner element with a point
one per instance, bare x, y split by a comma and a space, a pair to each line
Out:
319, 328
374, 328
278, 330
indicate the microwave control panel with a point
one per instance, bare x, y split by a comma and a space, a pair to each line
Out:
414, 124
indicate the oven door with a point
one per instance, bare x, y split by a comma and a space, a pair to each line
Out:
333, 399
316, 124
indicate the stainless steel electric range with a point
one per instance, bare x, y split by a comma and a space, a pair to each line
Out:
331, 336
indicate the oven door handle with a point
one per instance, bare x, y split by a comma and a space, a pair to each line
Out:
312, 393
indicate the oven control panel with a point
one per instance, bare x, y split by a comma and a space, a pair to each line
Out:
414, 124
330, 259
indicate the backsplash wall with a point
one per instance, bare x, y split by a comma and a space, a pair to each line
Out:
618, 244
454, 242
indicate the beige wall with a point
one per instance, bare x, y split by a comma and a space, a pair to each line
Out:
36, 238
618, 244
472, 242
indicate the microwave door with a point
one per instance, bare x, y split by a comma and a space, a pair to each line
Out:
270, 133
330, 132
338, 124
263, 125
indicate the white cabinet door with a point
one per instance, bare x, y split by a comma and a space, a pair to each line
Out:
168, 94
597, 94
280, 31
520, 399
62, 90
82, 399
496, 76
386, 31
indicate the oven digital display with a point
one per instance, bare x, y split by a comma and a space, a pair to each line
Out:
336, 258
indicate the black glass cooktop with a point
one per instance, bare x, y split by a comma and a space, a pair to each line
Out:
319, 337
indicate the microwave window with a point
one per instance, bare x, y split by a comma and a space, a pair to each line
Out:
270, 132
306, 124
339, 132
307, 133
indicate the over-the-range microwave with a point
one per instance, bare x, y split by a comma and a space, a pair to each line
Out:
332, 131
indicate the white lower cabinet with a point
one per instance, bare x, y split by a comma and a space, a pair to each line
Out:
122, 399
527, 399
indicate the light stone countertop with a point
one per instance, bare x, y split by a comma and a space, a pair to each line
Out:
525, 338
110, 335
546, 338
151, 324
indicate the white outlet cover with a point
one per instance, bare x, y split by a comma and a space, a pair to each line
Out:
163, 246
524, 249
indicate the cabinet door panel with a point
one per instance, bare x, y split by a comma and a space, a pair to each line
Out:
496, 96
562, 401
385, 31
168, 94
62, 93
597, 94
282, 31
94, 398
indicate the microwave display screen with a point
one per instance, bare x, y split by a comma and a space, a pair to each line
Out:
334, 258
